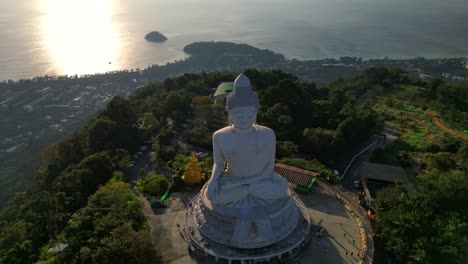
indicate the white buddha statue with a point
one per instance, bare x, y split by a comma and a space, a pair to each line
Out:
248, 205
249, 150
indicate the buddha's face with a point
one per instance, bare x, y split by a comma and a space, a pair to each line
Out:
243, 117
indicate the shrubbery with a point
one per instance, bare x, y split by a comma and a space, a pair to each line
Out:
155, 185
111, 228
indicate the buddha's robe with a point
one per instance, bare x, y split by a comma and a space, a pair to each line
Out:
249, 179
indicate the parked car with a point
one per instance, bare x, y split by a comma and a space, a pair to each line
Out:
357, 184
337, 173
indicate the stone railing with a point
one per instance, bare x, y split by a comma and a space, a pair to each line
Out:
366, 252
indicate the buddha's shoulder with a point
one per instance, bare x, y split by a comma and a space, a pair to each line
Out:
229, 131
265, 131
223, 132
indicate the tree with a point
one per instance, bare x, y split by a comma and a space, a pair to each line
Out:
200, 136
324, 114
155, 185
292, 95
120, 111
321, 143
149, 125
124, 245
179, 162
463, 154
110, 229
441, 161
359, 124
99, 135
285, 149
433, 86
278, 117
119, 176
120, 158
337, 98
176, 106
428, 226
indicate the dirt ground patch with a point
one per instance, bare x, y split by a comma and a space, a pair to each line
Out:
441, 125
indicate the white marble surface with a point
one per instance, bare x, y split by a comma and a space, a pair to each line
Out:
249, 150
247, 205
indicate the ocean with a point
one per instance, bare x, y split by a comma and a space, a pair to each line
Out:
57, 37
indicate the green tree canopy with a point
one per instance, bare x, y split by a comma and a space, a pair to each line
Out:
441, 161
155, 185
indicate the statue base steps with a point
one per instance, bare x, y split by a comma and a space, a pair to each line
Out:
241, 238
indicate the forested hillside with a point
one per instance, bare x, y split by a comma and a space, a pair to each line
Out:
430, 225
79, 194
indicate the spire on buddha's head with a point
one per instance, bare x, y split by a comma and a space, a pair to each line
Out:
242, 94
242, 82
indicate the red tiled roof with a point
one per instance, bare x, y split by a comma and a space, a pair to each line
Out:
295, 175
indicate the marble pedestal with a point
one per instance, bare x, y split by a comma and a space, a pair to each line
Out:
274, 232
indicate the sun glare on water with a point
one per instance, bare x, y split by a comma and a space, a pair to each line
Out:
80, 35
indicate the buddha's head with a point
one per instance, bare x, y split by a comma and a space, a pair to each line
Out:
242, 104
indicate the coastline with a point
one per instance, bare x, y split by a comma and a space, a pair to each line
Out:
183, 57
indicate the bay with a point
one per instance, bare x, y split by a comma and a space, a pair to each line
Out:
57, 37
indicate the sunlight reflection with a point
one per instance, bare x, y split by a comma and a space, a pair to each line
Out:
80, 35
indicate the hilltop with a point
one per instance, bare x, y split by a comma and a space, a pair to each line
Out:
40, 111
317, 121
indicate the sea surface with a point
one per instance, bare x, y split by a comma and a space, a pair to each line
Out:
56, 37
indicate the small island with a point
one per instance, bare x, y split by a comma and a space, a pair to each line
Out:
155, 36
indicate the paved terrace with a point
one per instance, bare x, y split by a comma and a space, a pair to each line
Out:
340, 243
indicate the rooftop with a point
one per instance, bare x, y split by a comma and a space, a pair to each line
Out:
385, 173
295, 175
224, 88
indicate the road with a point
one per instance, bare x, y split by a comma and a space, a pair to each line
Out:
353, 172
142, 162
350, 193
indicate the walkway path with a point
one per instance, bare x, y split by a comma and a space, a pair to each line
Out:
340, 237
352, 200
167, 237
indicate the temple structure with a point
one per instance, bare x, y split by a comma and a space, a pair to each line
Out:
247, 212
193, 173
299, 179
222, 91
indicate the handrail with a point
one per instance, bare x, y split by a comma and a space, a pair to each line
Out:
355, 156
